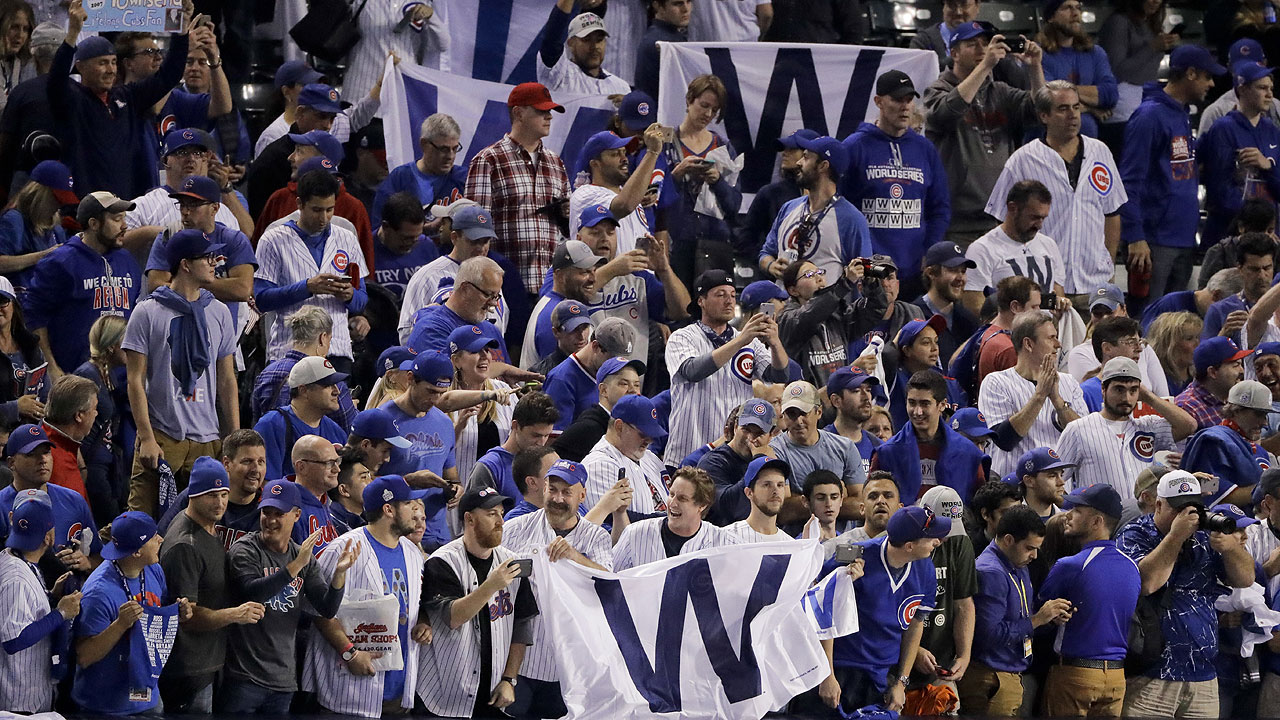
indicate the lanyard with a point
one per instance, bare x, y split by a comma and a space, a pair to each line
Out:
1022, 594
124, 582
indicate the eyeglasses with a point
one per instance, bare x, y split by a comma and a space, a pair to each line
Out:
149, 52
489, 296
333, 464
1133, 342
445, 149
819, 272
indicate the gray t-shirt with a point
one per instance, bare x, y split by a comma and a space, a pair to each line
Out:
264, 653
181, 418
832, 452
195, 568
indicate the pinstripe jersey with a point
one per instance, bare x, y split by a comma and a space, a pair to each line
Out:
717, 21
1003, 393
381, 32
323, 671
641, 543
1112, 452
432, 284
284, 259
532, 533
747, 534
650, 483
698, 409
155, 207
1076, 215
25, 682
626, 21
466, 451
631, 226
1260, 540
566, 78
999, 256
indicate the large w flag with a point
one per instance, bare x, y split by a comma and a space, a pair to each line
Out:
718, 633
775, 89
495, 40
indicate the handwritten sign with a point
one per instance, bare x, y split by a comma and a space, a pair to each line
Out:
156, 16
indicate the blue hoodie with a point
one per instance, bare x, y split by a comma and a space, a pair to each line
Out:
1158, 165
1225, 185
900, 185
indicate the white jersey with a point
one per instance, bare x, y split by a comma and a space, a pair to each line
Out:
1003, 394
382, 32
1077, 216
323, 671
633, 225
1112, 451
698, 409
284, 259
1260, 540
747, 534
26, 684
641, 543
467, 451
1081, 361
650, 484
155, 207
566, 78
716, 21
532, 533
626, 22
432, 284
999, 256
625, 297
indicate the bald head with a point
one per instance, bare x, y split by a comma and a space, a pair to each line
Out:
311, 447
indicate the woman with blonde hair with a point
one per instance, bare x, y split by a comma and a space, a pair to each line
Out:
478, 428
31, 227
1174, 337
108, 447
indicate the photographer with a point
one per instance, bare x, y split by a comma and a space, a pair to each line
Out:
880, 279
1190, 567
813, 324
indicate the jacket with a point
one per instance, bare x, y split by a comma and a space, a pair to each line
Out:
1226, 184
1157, 165
957, 467
1003, 608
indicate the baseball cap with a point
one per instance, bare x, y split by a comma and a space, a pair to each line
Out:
945, 503
28, 525
639, 412
801, 395
187, 137
312, 164
431, 366
323, 98
637, 111
848, 378
1246, 49
1270, 482
388, 489
1185, 57
593, 215
1119, 367
598, 143
98, 203
469, 338
575, 254
129, 532
31, 495
757, 412
1179, 488
479, 499
198, 187
615, 365
569, 315
93, 47
188, 244
57, 177
296, 72
47, 34
472, 221
280, 494
534, 95
377, 424
314, 370
392, 357
896, 84
24, 439
328, 145
970, 422
6, 288
760, 291
947, 254
583, 24
1246, 71
971, 30
1109, 296
914, 522
1250, 394
569, 471
1151, 475
615, 336
1038, 460
762, 463
703, 284
1100, 497
207, 475
452, 209
907, 334
1215, 351
1266, 348
828, 148
1242, 519
792, 141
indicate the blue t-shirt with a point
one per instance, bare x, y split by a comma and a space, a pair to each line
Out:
433, 324
498, 462
395, 581
572, 389
104, 687
71, 517
393, 271
429, 189
1092, 389
432, 449
236, 250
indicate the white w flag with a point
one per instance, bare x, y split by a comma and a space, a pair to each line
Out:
831, 606
719, 633
495, 40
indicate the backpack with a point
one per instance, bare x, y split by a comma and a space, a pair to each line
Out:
963, 367
1146, 639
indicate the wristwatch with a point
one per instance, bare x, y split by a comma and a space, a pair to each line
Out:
349, 653
509, 680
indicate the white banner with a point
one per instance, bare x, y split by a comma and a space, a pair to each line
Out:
410, 93
718, 633
775, 89
831, 606
495, 40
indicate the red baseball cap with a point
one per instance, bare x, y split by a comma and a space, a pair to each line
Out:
534, 95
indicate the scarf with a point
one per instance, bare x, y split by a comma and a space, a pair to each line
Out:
190, 354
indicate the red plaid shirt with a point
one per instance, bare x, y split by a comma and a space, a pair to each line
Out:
511, 184
1200, 404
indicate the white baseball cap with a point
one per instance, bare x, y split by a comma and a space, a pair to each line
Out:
945, 502
1179, 488
1120, 367
448, 211
586, 23
1250, 394
314, 369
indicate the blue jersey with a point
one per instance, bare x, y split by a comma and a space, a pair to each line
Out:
1221, 451
395, 581
888, 600
17, 237
236, 250
315, 516
498, 462
185, 109
279, 438
429, 189
72, 521
394, 271
106, 686
544, 340
433, 440
1181, 301
572, 389
433, 324
1103, 584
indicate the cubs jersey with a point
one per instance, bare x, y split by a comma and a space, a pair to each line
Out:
748, 534
1004, 392
432, 284
25, 681
1112, 451
631, 226
641, 543
650, 483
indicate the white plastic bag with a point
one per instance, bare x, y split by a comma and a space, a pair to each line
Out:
373, 625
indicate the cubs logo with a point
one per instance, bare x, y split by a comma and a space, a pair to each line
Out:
217, 482
634, 313
654, 414
758, 409
327, 164
1054, 454
277, 489
895, 191
642, 109
743, 364
333, 95
1143, 446
476, 331
23, 524
167, 125
1185, 488
907, 610
340, 261
35, 431
1262, 462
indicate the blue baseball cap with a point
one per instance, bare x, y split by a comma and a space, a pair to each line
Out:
908, 333
1247, 71
280, 494
469, 338
328, 145
198, 187
31, 495
377, 424
792, 141
431, 366
757, 412
1185, 57
1242, 519
762, 463
1266, 348
913, 522
829, 149
177, 139
759, 292
474, 223
207, 475
1246, 49
971, 30
639, 411
296, 72
57, 177
129, 532
971, 423
1108, 296
388, 489
637, 111
24, 439
593, 215
569, 471
188, 244
393, 357
93, 47
1038, 460
312, 164
848, 378
322, 98
947, 254
1215, 351
569, 315
596, 144
1100, 497
615, 365
28, 525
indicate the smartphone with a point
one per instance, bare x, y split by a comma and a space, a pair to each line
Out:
525, 565
1178, 29
622, 474
668, 134
1017, 45
847, 553
767, 308
943, 672
642, 243
353, 272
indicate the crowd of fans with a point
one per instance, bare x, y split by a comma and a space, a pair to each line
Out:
239, 368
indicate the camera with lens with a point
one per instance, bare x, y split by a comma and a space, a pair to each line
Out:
876, 270
1211, 521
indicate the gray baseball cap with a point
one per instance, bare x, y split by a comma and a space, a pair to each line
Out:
1119, 367
575, 253
1250, 394
616, 336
